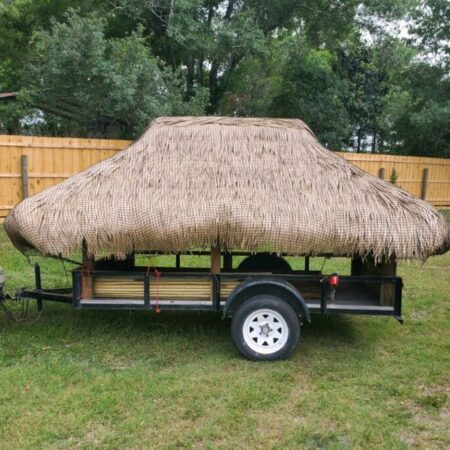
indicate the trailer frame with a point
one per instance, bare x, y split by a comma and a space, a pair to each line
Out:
321, 305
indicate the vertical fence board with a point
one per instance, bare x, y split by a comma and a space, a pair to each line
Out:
51, 160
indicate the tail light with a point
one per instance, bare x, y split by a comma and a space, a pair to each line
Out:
334, 280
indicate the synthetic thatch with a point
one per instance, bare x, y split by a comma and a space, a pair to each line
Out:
253, 184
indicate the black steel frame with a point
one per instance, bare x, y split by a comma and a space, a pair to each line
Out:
73, 295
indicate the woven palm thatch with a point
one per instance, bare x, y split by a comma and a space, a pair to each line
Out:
253, 184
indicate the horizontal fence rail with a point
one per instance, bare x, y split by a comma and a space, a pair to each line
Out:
30, 164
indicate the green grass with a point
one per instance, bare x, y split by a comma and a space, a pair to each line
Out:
115, 379
446, 213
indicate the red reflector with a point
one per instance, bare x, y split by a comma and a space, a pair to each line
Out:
334, 280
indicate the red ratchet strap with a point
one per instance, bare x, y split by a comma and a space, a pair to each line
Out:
157, 275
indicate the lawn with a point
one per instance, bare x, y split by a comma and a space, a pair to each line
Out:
116, 379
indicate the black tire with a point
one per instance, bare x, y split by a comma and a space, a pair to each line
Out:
241, 334
263, 262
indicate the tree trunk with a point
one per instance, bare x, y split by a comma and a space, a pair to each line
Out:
213, 73
229, 9
213, 87
190, 77
199, 71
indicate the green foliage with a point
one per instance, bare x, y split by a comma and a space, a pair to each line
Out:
394, 176
367, 84
312, 90
107, 68
432, 27
419, 110
77, 73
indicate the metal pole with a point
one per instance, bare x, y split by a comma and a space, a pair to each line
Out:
227, 261
37, 277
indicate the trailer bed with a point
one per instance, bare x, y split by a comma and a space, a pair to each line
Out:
203, 290
140, 289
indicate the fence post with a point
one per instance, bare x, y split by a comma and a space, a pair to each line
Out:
381, 173
24, 170
424, 184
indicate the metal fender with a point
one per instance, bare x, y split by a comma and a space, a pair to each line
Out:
244, 290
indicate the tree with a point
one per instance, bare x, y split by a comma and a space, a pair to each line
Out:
103, 86
418, 111
432, 30
312, 90
109, 67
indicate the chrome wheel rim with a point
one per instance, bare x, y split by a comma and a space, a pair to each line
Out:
265, 331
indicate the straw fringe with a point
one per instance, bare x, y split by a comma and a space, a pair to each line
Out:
253, 184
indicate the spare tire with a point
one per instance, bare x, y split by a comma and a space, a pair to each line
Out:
264, 262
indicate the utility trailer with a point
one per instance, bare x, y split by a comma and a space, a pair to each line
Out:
235, 187
267, 301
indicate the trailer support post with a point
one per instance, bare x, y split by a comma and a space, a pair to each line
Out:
215, 271
215, 260
86, 274
227, 261
37, 277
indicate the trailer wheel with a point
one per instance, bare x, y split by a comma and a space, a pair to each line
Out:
265, 328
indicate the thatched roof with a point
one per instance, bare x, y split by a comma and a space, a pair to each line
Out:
253, 184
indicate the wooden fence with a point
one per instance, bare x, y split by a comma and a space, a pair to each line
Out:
30, 164
426, 178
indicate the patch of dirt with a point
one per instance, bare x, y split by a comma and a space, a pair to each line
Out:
430, 418
417, 315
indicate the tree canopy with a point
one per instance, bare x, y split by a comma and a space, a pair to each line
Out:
365, 75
